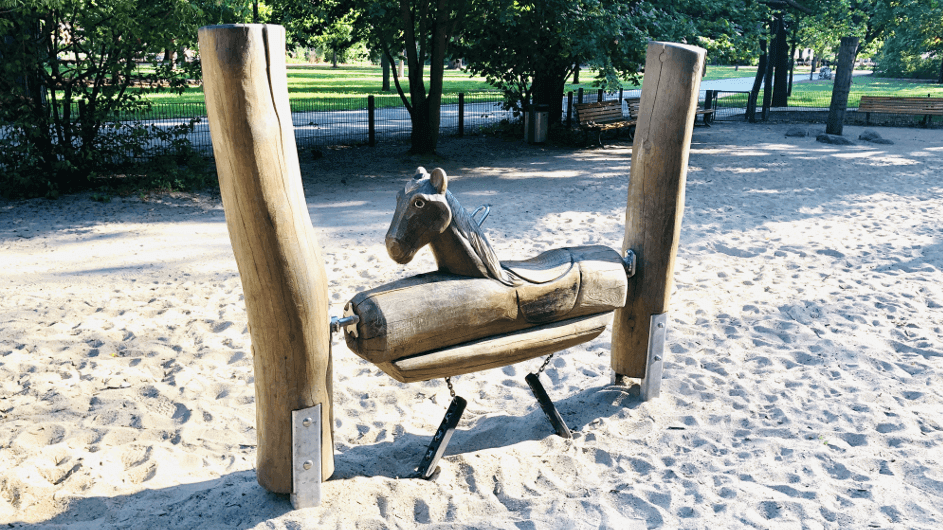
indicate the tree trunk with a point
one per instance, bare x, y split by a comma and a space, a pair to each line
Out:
426, 106
576, 74
385, 64
334, 57
941, 71
781, 64
812, 70
768, 80
548, 90
757, 83
842, 86
792, 60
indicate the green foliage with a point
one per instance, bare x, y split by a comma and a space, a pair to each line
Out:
528, 48
914, 47
66, 74
899, 60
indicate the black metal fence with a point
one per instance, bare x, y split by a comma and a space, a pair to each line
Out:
362, 120
355, 120
366, 120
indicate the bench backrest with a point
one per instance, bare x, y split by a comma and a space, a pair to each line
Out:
601, 112
634, 104
895, 104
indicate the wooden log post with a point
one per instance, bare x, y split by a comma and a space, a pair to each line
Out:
274, 243
656, 195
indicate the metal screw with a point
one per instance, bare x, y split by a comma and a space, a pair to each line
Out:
307, 465
307, 423
658, 357
660, 325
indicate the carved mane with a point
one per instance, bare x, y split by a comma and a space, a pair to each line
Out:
468, 230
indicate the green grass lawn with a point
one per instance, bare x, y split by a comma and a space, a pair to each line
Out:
321, 87
818, 93
866, 85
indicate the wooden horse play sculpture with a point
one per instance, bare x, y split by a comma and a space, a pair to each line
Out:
477, 312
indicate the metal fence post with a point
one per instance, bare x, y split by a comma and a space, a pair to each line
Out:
579, 95
569, 108
371, 122
600, 96
461, 114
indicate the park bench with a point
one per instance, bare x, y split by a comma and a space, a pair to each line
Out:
926, 107
633, 104
708, 116
601, 117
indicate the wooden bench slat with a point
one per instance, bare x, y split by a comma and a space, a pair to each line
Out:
602, 116
901, 105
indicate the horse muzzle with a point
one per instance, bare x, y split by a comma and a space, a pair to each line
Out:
400, 254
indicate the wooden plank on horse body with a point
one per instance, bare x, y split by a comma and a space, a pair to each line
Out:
495, 352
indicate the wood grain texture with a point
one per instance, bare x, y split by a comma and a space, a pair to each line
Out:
276, 249
656, 194
437, 310
495, 352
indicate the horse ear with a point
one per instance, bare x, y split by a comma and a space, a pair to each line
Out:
421, 173
439, 180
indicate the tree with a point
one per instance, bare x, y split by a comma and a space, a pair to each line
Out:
424, 29
67, 71
840, 90
914, 44
528, 48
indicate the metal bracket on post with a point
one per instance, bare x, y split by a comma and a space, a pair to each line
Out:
651, 383
306, 457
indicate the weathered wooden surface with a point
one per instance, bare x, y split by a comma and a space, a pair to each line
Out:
428, 214
498, 351
276, 249
437, 310
656, 195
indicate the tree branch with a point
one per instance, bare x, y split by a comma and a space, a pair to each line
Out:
399, 89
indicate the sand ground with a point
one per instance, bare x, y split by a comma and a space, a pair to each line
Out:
801, 389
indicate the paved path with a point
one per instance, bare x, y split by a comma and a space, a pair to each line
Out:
745, 84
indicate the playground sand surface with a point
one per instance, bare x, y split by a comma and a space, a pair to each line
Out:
801, 387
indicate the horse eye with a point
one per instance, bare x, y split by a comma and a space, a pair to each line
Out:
419, 203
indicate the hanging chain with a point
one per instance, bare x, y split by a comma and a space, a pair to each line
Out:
544, 365
448, 381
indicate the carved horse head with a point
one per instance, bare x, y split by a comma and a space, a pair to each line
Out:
428, 214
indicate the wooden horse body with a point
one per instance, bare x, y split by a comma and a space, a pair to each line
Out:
476, 312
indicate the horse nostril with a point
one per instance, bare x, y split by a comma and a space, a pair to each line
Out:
394, 249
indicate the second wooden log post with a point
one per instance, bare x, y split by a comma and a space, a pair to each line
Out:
656, 195
274, 243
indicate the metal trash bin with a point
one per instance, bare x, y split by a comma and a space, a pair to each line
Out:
535, 123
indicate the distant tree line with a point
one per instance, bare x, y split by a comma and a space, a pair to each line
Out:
68, 67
